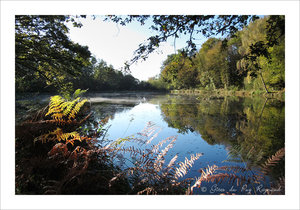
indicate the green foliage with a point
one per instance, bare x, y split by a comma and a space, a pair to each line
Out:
78, 93
252, 59
103, 77
249, 55
263, 51
211, 64
172, 26
62, 110
157, 83
45, 55
179, 72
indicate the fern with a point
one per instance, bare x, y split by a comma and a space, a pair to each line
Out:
79, 92
59, 135
211, 174
159, 161
210, 170
119, 142
62, 110
273, 160
239, 175
149, 173
75, 110
183, 168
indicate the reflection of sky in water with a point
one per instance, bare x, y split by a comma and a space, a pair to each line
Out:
132, 121
130, 115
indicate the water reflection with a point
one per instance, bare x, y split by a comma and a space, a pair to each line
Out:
251, 128
230, 130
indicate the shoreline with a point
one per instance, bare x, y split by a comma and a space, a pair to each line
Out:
280, 95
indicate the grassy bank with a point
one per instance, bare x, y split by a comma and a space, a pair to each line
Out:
222, 92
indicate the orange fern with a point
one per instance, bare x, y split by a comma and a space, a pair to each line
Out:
59, 135
273, 160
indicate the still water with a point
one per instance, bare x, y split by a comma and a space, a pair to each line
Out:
229, 131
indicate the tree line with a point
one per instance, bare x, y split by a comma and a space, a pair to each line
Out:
251, 59
46, 60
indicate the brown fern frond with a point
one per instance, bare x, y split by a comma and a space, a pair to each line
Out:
132, 150
229, 178
212, 174
153, 137
148, 129
186, 165
159, 161
148, 134
210, 170
59, 149
51, 187
279, 187
273, 160
172, 161
39, 115
150, 175
148, 190
59, 135
156, 147
117, 143
144, 171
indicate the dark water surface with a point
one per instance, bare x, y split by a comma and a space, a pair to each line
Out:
229, 131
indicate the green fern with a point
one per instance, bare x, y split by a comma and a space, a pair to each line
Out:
62, 110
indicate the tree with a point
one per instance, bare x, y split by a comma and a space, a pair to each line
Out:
172, 26
258, 42
212, 65
236, 78
179, 71
45, 53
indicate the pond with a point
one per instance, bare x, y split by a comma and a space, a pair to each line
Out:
230, 131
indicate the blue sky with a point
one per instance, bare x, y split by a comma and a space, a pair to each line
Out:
116, 44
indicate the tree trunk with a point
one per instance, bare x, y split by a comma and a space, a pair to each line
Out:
262, 79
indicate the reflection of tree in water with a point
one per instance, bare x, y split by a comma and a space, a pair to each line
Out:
251, 128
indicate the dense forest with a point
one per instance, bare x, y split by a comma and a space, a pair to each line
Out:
248, 60
250, 57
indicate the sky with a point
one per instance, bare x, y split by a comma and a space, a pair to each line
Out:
116, 44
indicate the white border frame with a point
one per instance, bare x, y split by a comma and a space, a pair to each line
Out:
10, 8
